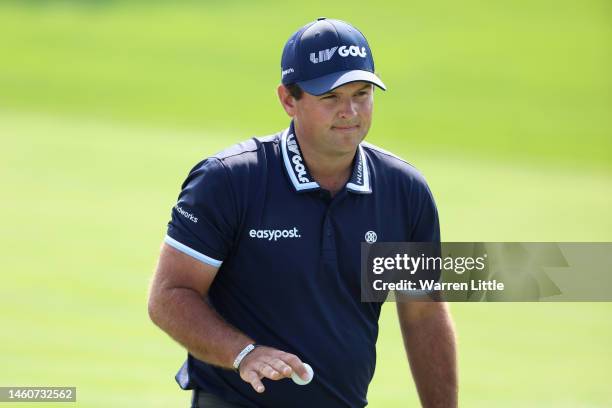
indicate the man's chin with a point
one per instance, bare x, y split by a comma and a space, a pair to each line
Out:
347, 146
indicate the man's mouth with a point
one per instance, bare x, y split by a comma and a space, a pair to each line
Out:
345, 128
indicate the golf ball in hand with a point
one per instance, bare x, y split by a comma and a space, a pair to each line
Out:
298, 380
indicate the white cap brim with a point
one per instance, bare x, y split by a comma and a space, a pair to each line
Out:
326, 83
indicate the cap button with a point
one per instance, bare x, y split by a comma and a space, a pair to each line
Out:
321, 18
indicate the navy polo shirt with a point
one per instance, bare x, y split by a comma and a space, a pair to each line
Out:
289, 261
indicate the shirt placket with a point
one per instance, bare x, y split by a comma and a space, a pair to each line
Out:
329, 251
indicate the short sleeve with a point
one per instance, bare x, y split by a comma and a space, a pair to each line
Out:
426, 225
204, 219
425, 228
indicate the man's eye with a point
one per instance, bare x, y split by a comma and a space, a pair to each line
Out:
329, 97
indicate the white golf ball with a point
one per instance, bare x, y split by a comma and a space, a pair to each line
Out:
298, 380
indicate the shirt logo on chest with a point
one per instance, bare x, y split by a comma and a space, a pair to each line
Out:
274, 235
371, 237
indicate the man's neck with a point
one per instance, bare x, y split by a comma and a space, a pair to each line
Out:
330, 171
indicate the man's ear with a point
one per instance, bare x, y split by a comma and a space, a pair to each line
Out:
286, 100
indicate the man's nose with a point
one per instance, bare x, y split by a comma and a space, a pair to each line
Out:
348, 109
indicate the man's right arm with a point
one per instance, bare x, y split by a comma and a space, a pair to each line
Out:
177, 305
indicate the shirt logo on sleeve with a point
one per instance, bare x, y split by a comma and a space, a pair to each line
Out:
186, 214
274, 235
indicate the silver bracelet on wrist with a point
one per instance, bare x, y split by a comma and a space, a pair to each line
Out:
242, 355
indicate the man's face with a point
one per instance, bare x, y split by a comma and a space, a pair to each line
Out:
336, 122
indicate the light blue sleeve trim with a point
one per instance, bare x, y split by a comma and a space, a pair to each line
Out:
191, 252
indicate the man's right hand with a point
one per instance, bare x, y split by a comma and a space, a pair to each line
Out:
176, 305
268, 362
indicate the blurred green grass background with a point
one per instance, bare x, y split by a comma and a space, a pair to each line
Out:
105, 105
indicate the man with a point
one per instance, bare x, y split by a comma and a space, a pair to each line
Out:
260, 269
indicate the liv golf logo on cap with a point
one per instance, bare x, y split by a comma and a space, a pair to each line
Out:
326, 54
344, 51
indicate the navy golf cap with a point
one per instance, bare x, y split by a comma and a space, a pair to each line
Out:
326, 54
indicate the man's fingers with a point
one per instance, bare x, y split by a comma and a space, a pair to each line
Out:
252, 377
269, 372
265, 362
280, 366
296, 365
